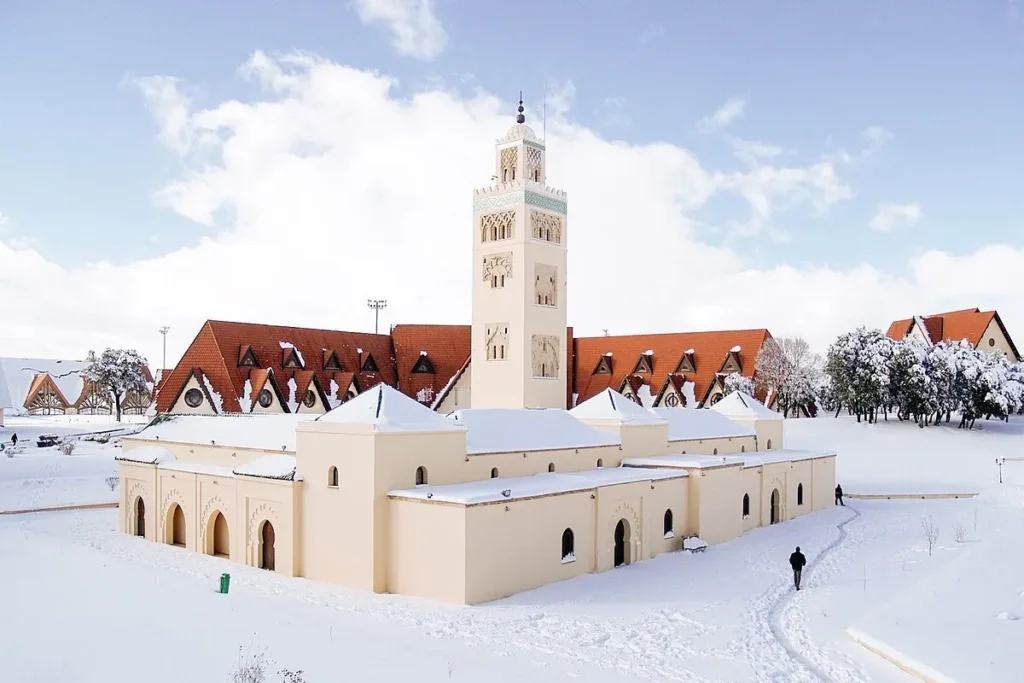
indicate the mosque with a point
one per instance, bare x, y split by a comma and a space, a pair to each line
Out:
508, 492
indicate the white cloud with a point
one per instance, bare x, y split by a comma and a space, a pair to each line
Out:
415, 29
893, 216
875, 139
613, 112
724, 115
752, 152
4, 222
339, 191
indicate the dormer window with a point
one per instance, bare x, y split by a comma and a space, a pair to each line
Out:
423, 365
604, 366
644, 364
331, 361
291, 358
686, 363
246, 358
369, 365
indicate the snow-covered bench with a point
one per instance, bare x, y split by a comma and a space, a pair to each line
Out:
694, 544
47, 440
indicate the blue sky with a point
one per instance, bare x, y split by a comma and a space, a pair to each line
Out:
940, 83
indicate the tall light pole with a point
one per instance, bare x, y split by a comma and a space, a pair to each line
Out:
376, 305
164, 330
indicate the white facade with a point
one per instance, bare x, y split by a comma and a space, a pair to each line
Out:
519, 340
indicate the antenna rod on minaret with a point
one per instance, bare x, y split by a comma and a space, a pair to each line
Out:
544, 126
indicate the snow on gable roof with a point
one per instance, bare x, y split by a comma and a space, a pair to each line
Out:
389, 410
518, 488
698, 423
509, 430
149, 455
269, 432
18, 374
739, 404
269, 467
753, 459
611, 405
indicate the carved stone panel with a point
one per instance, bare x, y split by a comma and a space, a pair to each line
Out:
497, 226
509, 162
534, 161
497, 341
545, 226
545, 355
545, 285
498, 266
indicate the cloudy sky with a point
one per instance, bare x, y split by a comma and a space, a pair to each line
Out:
806, 167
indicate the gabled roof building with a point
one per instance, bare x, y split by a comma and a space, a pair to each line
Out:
984, 330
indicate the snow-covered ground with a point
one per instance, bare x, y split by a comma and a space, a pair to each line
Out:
32, 477
728, 614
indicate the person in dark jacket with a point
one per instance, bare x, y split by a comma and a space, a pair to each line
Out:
797, 561
839, 495
14, 439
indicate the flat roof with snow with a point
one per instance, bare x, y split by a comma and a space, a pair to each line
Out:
537, 485
270, 432
509, 430
756, 459
388, 410
687, 424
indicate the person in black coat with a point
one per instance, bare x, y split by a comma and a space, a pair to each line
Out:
839, 495
14, 439
797, 561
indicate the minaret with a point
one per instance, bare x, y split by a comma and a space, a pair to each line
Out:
519, 277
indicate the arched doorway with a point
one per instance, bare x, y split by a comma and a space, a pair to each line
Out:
775, 517
217, 536
267, 546
175, 534
622, 537
140, 517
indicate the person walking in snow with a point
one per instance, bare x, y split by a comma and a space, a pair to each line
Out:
797, 561
839, 495
14, 439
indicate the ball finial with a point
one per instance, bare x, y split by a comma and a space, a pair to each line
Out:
521, 118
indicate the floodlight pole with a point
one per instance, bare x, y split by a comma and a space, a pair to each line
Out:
376, 305
164, 330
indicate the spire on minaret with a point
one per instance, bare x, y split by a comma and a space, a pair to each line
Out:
521, 118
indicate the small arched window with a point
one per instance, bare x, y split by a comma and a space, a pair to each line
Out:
743, 449
494, 473
716, 452
568, 546
536, 175
668, 524
551, 467
769, 444
421, 476
504, 175
799, 494
600, 463
746, 505
332, 477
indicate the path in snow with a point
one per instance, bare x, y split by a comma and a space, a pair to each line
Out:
775, 648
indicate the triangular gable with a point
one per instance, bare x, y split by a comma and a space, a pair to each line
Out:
290, 358
1006, 335
423, 365
644, 364
715, 386
443, 394
604, 366
673, 385
43, 384
266, 380
630, 387
331, 362
308, 391
731, 363
197, 374
369, 364
686, 363
247, 357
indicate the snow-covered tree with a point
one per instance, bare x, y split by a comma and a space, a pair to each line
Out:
858, 368
909, 384
734, 381
121, 372
789, 372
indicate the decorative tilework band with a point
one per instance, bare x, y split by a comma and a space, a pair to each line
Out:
498, 201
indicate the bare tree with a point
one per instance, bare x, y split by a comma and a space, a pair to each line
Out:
931, 533
789, 371
112, 481
959, 533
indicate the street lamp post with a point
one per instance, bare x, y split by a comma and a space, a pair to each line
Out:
1000, 461
164, 330
376, 305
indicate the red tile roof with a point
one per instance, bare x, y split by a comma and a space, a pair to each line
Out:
710, 352
447, 347
969, 324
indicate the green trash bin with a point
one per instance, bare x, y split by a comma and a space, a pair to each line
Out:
225, 583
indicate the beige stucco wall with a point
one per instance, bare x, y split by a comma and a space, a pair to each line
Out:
318, 406
138, 481
724, 446
522, 464
459, 397
221, 456
716, 495
824, 476
427, 550
750, 478
801, 473
769, 434
275, 404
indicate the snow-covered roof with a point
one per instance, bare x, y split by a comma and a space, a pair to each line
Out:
269, 467
753, 459
698, 423
517, 488
16, 374
509, 430
611, 405
196, 468
389, 410
739, 404
269, 432
149, 455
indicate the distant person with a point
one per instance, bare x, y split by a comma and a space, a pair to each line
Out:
14, 439
797, 561
839, 495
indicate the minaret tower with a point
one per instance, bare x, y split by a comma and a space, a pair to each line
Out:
519, 277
